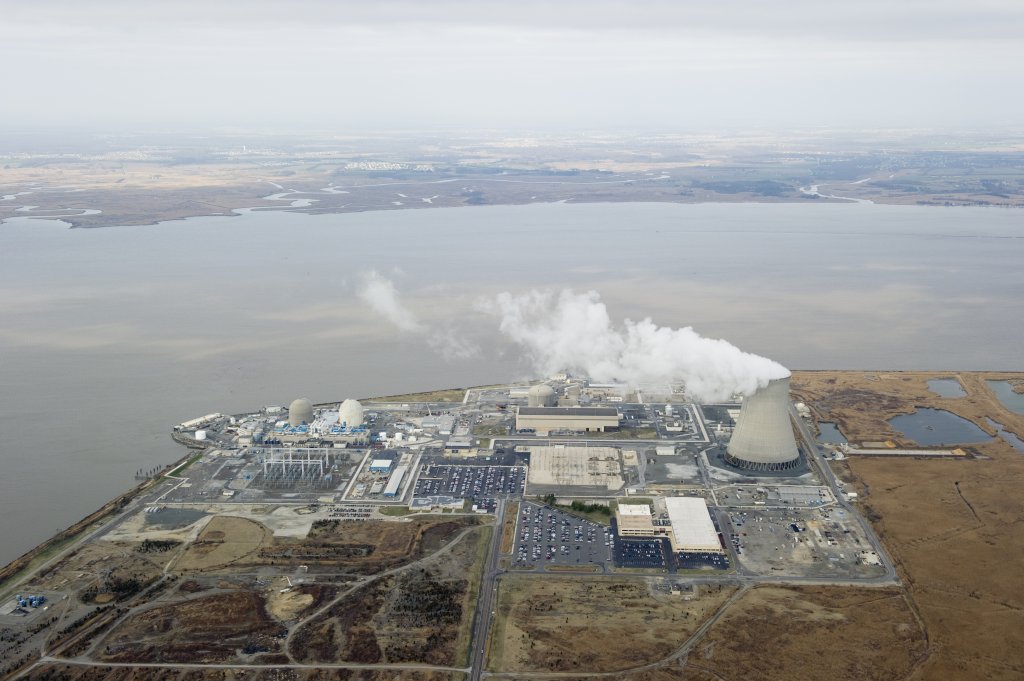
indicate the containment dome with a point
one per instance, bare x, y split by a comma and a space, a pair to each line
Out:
300, 411
541, 396
350, 413
763, 439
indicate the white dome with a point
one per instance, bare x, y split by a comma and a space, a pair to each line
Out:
541, 396
300, 411
350, 413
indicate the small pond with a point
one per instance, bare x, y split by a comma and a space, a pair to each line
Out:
933, 427
830, 434
1004, 391
946, 387
1011, 438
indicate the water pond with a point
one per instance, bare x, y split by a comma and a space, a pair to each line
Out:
1011, 400
831, 434
946, 387
1011, 438
934, 427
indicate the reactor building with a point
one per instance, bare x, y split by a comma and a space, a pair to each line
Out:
350, 413
541, 396
763, 439
300, 412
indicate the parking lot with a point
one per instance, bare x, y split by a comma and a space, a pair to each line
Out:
702, 561
470, 482
652, 553
548, 537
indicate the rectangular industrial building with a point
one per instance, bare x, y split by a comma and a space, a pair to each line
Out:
634, 520
543, 420
576, 466
692, 527
380, 465
395, 481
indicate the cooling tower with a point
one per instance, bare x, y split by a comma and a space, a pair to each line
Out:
763, 439
300, 411
541, 396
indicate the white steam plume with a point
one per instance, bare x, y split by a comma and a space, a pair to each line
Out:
380, 294
572, 330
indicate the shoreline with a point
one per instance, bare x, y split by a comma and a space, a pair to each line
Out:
73, 533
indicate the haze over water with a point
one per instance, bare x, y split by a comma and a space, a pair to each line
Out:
112, 336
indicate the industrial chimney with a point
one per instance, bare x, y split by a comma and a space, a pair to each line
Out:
763, 439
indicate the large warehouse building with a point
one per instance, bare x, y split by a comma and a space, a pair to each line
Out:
543, 420
692, 528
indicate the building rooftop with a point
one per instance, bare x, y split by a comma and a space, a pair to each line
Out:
692, 528
634, 509
568, 411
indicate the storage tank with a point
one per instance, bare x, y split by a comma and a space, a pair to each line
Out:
200, 435
300, 411
541, 396
763, 438
350, 413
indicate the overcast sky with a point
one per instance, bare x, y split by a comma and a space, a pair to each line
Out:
568, 65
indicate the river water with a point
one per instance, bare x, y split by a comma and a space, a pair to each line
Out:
111, 336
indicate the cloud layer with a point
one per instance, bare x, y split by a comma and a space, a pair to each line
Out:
531, 64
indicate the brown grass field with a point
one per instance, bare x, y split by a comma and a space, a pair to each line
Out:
67, 672
418, 615
577, 623
954, 527
508, 528
814, 633
365, 546
205, 629
224, 540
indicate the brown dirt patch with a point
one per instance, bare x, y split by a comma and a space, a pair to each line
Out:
224, 540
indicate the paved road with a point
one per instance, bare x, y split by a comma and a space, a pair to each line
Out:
811, 446
485, 602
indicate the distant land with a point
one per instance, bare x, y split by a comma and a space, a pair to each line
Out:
145, 179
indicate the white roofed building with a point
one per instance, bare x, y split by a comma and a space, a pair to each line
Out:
692, 527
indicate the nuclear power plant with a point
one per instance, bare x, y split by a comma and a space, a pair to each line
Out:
350, 414
300, 412
763, 439
541, 396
